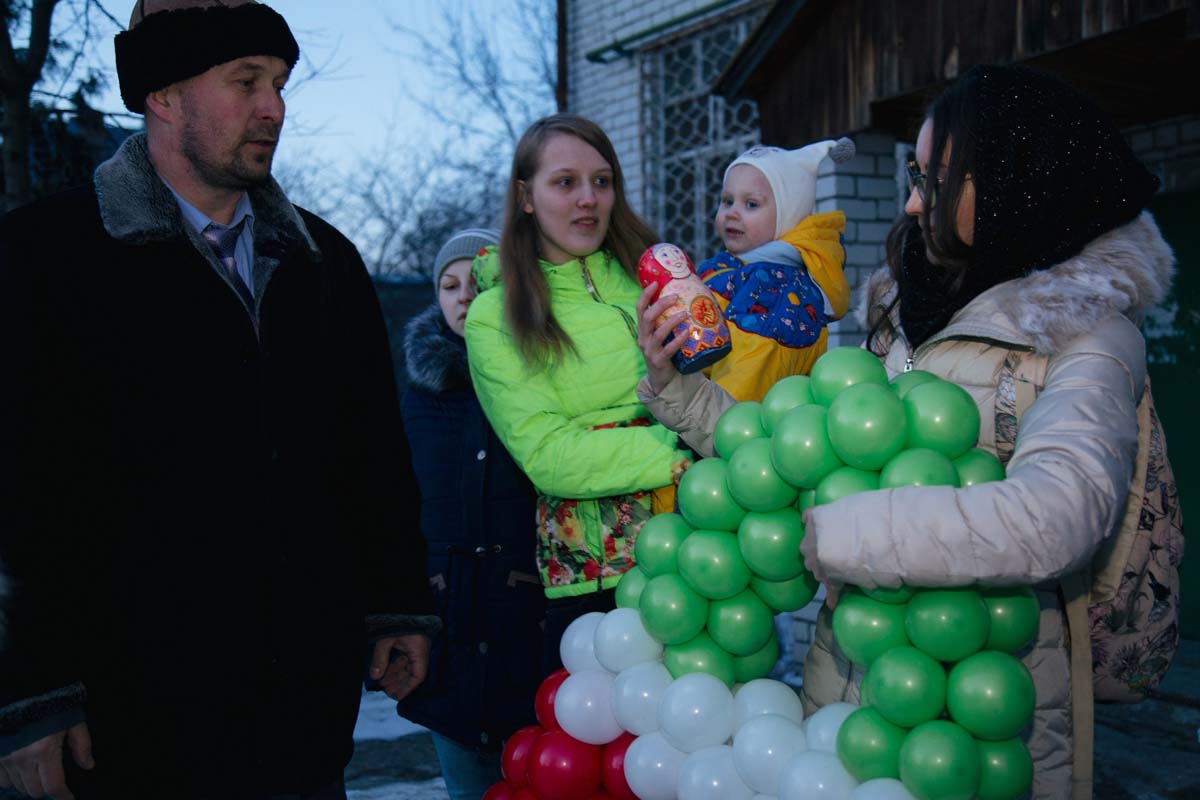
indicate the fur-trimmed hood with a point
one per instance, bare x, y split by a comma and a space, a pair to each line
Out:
434, 356
1127, 270
137, 207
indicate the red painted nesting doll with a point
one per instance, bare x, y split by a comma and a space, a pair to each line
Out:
704, 329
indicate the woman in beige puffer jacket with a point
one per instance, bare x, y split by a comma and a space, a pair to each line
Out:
1031, 239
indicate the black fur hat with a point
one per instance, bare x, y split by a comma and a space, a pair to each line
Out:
172, 40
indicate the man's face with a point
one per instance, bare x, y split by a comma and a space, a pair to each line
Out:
231, 118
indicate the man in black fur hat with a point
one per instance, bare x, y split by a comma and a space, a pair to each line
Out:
205, 510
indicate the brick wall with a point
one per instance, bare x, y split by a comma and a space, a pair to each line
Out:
610, 94
866, 189
1171, 150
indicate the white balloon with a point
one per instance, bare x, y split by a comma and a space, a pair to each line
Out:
696, 711
765, 696
814, 775
583, 707
635, 696
622, 641
882, 789
763, 747
652, 767
709, 774
577, 648
823, 726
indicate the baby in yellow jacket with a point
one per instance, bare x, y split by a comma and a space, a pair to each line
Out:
779, 280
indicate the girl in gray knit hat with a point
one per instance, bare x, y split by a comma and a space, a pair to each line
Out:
477, 511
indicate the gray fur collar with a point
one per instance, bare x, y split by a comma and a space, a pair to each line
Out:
137, 207
1127, 270
434, 361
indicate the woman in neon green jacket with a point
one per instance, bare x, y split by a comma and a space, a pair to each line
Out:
555, 362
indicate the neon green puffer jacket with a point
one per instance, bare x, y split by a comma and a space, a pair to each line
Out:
558, 421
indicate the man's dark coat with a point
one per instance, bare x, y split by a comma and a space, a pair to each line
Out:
206, 511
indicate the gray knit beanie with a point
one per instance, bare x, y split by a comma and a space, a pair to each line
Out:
463, 244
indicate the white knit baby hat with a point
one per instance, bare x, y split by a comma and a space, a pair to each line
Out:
792, 175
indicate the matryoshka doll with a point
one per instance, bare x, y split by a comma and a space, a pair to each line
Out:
704, 329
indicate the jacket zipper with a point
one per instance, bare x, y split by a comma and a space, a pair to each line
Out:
591, 287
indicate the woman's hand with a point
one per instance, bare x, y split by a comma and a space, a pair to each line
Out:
659, 367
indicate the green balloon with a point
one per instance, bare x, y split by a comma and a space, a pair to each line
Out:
800, 447
657, 545
699, 654
1015, 614
842, 367
898, 596
906, 686
845, 481
918, 467
629, 588
940, 761
712, 564
808, 499
739, 424
866, 425
671, 612
943, 417
978, 466
869, 746
770, 543
1006, 770
759, 664
753, 481
865, 629
948, 624
907, 380
741, 624
781, 398
781, 596
704, 498
991, 694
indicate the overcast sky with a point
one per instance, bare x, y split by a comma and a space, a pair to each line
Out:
366, 84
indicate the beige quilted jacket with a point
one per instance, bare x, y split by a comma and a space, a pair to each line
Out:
1068, 478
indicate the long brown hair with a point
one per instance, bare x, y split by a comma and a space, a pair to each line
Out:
538, 334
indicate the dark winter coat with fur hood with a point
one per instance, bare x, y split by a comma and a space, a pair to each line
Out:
205, 506
477, 514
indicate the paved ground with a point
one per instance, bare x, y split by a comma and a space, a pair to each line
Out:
1150, 751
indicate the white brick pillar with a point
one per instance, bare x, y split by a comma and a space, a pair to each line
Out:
865, 189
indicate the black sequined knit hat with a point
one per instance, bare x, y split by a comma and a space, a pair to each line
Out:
186, 39
1051, 173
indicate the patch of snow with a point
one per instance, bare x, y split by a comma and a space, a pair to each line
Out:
428, 790
377, 719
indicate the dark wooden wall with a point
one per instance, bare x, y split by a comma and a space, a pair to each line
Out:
846, 65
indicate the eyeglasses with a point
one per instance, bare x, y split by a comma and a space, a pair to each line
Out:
920, 180
916, 179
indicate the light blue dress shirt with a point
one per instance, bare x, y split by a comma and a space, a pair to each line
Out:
243, 254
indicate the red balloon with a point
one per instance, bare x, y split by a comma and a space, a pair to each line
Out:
563, 768
543, 702
612, 768
516, 754
499, 791
524, 793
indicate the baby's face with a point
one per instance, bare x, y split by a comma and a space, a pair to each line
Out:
746, 214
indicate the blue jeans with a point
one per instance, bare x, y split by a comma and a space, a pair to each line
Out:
468, 773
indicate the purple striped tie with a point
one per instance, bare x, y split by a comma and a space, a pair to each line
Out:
223, 241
